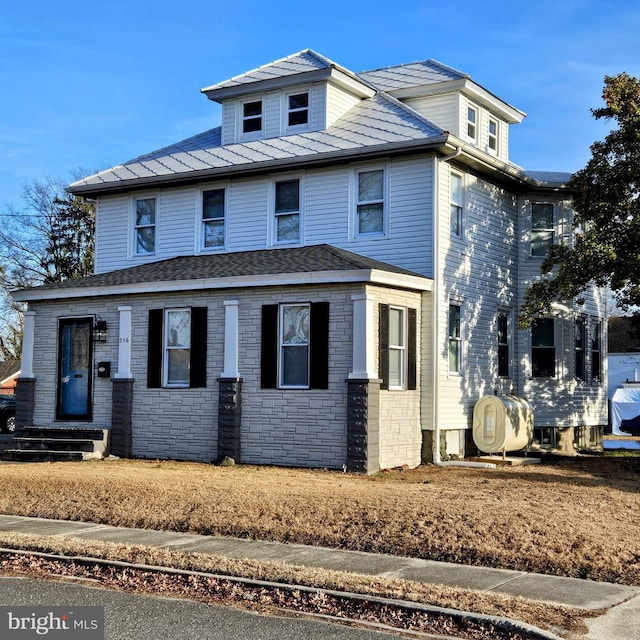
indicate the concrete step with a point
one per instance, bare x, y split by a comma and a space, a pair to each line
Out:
51, 444
56, 444
21, 455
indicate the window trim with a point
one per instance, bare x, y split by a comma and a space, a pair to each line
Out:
580, 330
400, 348
134, 226
495, 137
167, 348
553, 347
356, 203
507, 314
551, 229
200, 233
273, 214
460, 208
595, 347
282, 346
455, 339
472, 123
242, 118
287, 111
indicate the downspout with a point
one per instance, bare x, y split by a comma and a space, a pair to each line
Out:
435, 323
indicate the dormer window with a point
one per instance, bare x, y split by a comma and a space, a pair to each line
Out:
493, 136
298, 109
252, 117
472, 122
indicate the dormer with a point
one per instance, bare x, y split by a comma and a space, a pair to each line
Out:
452, 101
300, 93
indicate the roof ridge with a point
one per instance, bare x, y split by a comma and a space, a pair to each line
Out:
429, 61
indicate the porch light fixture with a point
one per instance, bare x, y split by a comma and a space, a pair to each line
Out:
99, 330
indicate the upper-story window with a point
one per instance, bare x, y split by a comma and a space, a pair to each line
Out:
297, 109
456, 204
370, 202
144, 226
472, 123
213, 206
493, 135
287, 211
542, 228
252, 117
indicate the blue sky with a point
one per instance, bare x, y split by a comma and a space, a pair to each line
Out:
89, 85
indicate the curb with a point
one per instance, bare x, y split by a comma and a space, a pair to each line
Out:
506, 624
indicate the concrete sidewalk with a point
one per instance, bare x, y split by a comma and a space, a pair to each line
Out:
622, 622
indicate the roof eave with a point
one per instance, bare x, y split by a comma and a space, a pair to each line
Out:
373, 276
350, 82
253, 168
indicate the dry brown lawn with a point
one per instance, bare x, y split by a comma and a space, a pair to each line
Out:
574, 517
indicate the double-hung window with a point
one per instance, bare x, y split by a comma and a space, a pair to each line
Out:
144, 226
472, 123
297, 109
543, 348
455, 338
370, 205
493, 135
456, 204
294, 342
503, 344
252, 117
213, 206
580, 339
177, 347
542, 228
397, 347
295, 346
287, 211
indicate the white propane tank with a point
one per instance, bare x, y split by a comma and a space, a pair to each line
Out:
502, 423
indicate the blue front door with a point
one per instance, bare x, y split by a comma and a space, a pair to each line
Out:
74, 369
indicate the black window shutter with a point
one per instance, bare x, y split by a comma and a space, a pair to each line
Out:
319, 346
198, 364
269, 347
154, 349
383, 343
412, 330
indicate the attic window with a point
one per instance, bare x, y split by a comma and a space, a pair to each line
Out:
298, 109
252, 116
472, 122
493, 135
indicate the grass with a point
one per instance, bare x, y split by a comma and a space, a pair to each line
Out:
572, 517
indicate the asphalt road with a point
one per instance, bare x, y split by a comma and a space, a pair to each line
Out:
139, 617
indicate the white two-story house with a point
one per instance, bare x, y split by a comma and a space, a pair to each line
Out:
331, 278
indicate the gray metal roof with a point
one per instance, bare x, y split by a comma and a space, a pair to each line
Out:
376, 123
299, 260
301, 62
549, 178
414, 74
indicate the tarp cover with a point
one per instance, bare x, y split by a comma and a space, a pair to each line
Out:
625, 405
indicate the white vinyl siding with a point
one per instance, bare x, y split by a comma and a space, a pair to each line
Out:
325, 195
440, 109
338, 102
